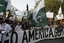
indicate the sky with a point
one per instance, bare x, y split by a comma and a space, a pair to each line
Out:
21, 4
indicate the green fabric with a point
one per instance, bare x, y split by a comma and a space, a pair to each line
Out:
3, 5
41, 21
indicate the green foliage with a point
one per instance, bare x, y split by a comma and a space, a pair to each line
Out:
53, 6
63, 7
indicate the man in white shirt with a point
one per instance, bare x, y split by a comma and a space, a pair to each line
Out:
18, 26
8, 27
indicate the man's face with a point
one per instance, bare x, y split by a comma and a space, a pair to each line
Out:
18, 23
10, 22
50, 20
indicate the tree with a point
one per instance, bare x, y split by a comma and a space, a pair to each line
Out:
63, 7
53, 6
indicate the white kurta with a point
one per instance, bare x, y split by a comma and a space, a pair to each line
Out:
18, 28
8, 28
1, 27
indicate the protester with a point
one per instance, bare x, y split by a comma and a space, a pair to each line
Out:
1, 22
29, 25
18, 26
8, 27
50, 25
60, 27
55, 25
25, 25
11, 20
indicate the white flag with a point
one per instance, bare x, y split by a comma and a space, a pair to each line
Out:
60, 11
41, 5
8, 5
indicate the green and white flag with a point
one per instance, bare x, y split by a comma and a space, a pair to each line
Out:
5, 5
39, 15
2, 5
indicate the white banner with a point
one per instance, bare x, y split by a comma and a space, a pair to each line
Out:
34, 35
59, 17
50, 14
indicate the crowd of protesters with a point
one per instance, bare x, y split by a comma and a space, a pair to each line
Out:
9, 24
57, 25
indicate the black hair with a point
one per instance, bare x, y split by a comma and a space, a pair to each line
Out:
6, 21
1, 18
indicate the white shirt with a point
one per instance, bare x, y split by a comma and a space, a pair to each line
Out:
1, 27
7, 28
18, 28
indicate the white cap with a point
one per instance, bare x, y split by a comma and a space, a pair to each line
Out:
11, 18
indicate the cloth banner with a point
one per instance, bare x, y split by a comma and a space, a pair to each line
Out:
32, 36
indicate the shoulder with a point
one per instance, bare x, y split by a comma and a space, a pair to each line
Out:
7, 25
